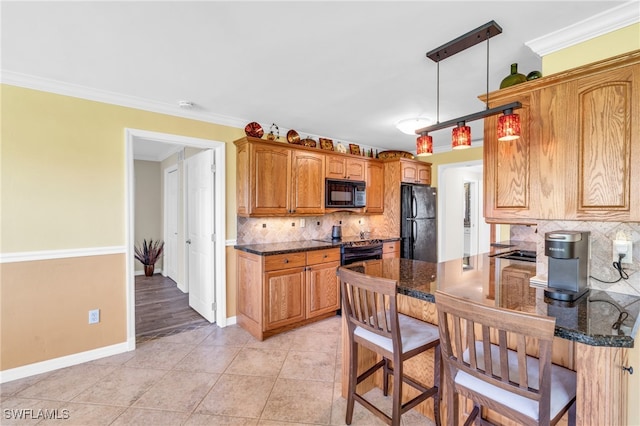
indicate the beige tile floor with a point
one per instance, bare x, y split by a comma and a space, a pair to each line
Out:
207, 376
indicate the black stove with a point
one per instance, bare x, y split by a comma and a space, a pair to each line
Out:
355, 249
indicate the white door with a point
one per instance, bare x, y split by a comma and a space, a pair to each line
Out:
170, 262
199, 245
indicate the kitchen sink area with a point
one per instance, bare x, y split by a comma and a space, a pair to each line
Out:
523, 255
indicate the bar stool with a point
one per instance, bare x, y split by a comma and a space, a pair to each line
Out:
369, 306
529, 390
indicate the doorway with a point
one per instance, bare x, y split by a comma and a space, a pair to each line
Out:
150, 141
460, 211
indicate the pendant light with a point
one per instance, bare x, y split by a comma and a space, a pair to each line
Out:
461, 136
508, 126
508, 123
424, 145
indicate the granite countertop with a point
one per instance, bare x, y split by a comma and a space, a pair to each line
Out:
594, 319
270, 249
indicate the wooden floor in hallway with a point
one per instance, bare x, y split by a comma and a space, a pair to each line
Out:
162, 309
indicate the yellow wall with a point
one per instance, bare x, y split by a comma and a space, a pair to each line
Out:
606, 46
62, 187
148, 206
458, 156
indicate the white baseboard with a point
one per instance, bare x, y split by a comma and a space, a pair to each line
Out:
62, 362
74, 359
141, 272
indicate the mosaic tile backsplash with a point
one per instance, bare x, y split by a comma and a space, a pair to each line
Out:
601, 240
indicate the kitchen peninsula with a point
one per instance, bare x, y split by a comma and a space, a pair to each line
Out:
590, 338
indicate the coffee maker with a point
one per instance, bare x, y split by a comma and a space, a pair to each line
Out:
568, 272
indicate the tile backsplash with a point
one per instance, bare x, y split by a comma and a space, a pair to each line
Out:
601, 241
278, 229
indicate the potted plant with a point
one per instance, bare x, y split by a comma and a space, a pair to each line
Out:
148, 254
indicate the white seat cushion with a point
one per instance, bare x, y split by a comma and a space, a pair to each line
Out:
414, 333
563, 383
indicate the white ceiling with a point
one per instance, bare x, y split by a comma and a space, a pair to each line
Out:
343, 70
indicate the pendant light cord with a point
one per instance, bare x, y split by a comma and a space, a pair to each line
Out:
487, 103
438, 92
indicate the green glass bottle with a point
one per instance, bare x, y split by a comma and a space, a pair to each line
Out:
514, 78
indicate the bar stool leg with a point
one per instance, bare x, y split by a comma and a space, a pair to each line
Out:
437, 381
353, 377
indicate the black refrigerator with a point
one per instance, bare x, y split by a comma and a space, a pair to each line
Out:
418, 225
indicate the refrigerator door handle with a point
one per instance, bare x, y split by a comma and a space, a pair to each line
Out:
414, 202
414, 225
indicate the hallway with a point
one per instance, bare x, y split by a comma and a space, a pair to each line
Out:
162, 309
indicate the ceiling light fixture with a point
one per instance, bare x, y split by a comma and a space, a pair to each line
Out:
408, 126
461, 135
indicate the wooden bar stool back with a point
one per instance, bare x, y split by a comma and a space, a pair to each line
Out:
369, 305
484, 359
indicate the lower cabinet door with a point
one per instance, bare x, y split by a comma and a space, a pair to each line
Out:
284, 301
323, 289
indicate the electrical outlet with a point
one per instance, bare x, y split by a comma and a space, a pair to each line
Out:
625, 247
94, 316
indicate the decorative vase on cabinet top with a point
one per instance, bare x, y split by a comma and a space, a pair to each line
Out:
514, 78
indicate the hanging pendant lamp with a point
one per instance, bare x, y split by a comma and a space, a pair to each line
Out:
424, 145
508, 126
461, 136
509, 123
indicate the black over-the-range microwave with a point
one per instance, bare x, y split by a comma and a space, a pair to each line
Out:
345, 193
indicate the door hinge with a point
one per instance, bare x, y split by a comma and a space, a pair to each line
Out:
213, 168
213, 238
213, 306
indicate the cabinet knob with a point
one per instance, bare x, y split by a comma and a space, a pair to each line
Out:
286, 261
628, 369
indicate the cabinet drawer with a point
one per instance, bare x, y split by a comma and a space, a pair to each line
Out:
322, 256
391, 247
281, 261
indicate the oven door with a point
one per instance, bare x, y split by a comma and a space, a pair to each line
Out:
354, 254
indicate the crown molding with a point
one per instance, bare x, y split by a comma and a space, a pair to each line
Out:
67, 89
610, 20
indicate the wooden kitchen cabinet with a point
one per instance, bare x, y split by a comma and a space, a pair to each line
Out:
275, 180
391, 249
279, 292
343, 167
607, 177
323, 286
515, 291
307, 183
375, 187
508, 169
415, 171
579, 154
284, 297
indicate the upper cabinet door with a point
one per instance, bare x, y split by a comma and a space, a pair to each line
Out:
415, 171
270, 172
608, 172
508, 169
307, 183
341, 167
375, 187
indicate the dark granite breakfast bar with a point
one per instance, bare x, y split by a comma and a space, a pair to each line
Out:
593, 334
599, 318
